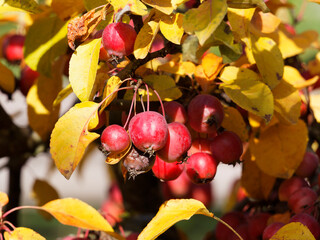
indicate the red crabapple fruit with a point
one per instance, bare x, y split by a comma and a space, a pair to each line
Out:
309, 221
177, 144
257, 223
302, 200
175, 112
148, 131
12, 47
226, 147
289, 186
271, 229
118, 39
178, 188
27, 79
167, 171
201, 167
205, 113
103, 54
233, 219
308, 165
115, 138
200, 145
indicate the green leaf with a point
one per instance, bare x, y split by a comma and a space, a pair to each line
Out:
45, 40
26, 5
83, 69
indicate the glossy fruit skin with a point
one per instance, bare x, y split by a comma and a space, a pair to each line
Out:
308, 165
177, 144
226, 147
12, 48
118, 39
309, 221
234, 219
289, 186
271, 229
200, 145
27, 79
205, 113
302, 200
148, 131
256, 224
115, 138
175, 112
167, 171
201, 167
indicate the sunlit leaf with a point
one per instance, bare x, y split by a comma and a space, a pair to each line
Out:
7, 82
114, 158
207, 85
42, 114
171, 28
244, 4
178, 67
268, 59
314, 96
233, 121
279, 149
293, 76
294, 230
244, 88
145, 38
136, 6
3, 199
45, 40
21, 233
212, 64
83, 69
26, 5
62, 95
170, 213
164, 6
287, 102
67, 8
265, 22
256, 183
176, 3
73, 212
70, 137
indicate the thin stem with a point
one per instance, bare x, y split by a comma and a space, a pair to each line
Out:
19, 208
86, 234
159, 98
227, 225
9, 224
131, 106
148, 99
117, 90
142, 104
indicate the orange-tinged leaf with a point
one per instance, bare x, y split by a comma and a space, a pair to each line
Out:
206, 84
114, 158
287, 102
22, 233
67, 8
293, 76
314, 65
314, 96
294, 231
245, 89
211, 64
280, 149
280, 217
145, 39
233, 121
268, 59
164, 6
70, 137
73, 212
171, 27
83, 69
256, 183
178, 67
170, 213
7, 82
265, 22
240, 23
3, 199
112, 85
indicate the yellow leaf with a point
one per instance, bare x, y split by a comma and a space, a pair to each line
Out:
164, 6
45, 40
293, 76
21, 233
171, 28
287, 102
145, 38
176, 66
41, 113
279, 149
256, 183
314, 96
70, 137
91, 4
294, 231
205, 19
268, 59
265, 22
244, 88
83, 69
211, 64
239, 20
62, 95
314, 65
170, 213
242, 4
207, 85
112, 85
3, 200
114, 158
67, 8
26, 5
136, 6
233, 121
73, 212
7, 82
176, 3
